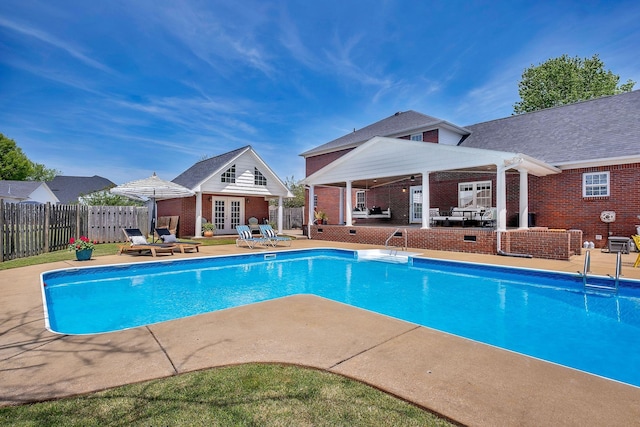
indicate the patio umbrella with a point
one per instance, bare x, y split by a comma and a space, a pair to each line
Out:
152, 188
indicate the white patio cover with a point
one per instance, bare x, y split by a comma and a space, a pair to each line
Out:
389, 157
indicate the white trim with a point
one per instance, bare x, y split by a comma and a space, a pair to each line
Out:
610, 161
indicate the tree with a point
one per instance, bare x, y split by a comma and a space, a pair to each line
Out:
565, 80
105, 198
298, 194
16, 166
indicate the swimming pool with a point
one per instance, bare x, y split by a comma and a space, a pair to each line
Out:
541, 314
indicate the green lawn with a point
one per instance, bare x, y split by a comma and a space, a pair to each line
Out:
245, 395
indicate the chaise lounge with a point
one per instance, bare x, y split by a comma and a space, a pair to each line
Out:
184, 245
138, 244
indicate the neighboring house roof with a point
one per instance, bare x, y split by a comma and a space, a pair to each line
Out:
399, 124
593, 130
18, 191
202, 172
68, 189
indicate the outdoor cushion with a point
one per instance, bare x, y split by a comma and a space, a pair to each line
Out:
246, 234
171, 238
138, 240
269, 233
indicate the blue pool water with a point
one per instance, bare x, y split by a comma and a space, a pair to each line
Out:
541, 314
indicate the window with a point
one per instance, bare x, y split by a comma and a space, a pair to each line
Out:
258, 178
474, 194
361, 201
315, 200
229, 175
595, 184
416, 137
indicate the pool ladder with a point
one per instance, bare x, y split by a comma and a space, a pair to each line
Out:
587, 269
394, 250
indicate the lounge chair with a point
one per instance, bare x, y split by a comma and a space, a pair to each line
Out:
636, 240
184, 245
272, 238
245, 236
138, 244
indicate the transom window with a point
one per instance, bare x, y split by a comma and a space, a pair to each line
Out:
416, 137
595, 184
258, 178
474, 194
361, 200
229, 175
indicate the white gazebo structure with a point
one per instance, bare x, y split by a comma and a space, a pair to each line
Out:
388, 160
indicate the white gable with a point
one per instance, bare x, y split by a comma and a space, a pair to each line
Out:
245, 183
386, 157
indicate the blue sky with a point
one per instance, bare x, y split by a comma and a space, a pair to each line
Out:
123, 88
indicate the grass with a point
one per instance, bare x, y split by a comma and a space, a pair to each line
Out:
99, 250
245, 395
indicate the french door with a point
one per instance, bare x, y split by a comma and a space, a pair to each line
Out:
415, 203
228, 212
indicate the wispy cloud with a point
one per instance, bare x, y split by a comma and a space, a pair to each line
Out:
55, 42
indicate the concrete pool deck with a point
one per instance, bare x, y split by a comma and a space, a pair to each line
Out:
468, 382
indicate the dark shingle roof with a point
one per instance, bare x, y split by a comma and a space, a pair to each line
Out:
18, 189
391, 126
596, 129
68, 188
197, 173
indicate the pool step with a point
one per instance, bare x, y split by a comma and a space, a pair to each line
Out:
392, 256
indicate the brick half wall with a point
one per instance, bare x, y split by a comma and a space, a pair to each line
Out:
545, 244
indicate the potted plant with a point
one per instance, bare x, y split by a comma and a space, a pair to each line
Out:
83, 247
208, 229
321, 217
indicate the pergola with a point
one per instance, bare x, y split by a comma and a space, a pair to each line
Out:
389, 160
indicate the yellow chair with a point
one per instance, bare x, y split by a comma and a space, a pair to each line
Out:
636, 240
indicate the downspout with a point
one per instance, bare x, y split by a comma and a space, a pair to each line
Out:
499, 251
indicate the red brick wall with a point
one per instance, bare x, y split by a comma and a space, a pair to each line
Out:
558, 203
186, 209
538, 243
316, 163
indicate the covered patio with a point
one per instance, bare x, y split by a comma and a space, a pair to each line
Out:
386, 162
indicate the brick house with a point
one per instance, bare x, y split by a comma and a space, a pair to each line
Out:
229, 189
554, 169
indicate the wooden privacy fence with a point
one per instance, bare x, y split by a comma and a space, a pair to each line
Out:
32, 229
291, 217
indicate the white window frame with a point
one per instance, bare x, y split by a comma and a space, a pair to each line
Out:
475, 188
361, 200
258, 178
229, 175
601, 186
416, 137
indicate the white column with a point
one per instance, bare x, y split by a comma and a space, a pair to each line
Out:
349, 207
501, 197
280, 214
341, 219
311, 217
524, 200
199, 214
426, 221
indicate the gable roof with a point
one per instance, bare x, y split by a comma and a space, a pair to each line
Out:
69, 188
370, 161
18, 190
399, 124
26, 191
593, 130
201, 171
